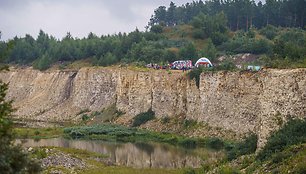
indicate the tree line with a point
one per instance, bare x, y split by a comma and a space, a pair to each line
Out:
206, 35
241, 14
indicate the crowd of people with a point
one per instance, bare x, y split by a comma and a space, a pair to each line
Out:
177, 65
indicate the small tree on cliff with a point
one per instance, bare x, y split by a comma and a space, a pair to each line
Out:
12, 157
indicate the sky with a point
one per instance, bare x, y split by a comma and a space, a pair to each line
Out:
79, 17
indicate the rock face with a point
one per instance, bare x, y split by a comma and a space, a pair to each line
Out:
239, 101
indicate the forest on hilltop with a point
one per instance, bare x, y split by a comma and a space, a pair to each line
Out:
274, 30
241, 14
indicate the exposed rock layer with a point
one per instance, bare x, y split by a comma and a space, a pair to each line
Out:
239, 101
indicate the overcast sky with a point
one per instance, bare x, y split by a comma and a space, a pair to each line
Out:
79, 17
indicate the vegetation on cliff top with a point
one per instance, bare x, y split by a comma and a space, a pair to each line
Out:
190, 31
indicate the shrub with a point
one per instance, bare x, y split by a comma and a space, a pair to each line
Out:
85, 117
188, 142
143, 118
189, 123
189, 171
228, 170
195, 74
37, 132
248, 146
39, 153
42, 63
269, 32
76, 134
215, 143
300, 169
294, 132
156, 29
226, 65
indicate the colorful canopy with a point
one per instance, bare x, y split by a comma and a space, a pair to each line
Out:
203, 61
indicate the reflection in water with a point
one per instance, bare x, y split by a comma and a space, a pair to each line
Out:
140, 155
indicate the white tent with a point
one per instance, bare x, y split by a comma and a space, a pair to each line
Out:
203, 62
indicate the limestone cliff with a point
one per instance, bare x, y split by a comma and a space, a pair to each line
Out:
238, 101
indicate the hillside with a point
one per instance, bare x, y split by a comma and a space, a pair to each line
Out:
212, 29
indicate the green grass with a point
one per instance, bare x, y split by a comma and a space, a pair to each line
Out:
293, 133
41, 133
127, 170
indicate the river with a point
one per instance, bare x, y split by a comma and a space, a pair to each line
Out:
138, 155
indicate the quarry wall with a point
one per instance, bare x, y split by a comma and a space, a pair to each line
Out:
242, 102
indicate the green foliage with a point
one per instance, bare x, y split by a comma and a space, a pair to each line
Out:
189, 123
248, 146
112, 132
240, 14
270, 32
243, 43
211, 20
294, 132
85, 117
188, 52
300, 168
39, 153
215, 143
12, 158
43, 63
189, 171
228, 170
143, 118
210, 25
290, 45
226, 65
195, 74
209, 51
156, 29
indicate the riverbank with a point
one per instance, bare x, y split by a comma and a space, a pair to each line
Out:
113, 132
119, 133
285, 150
66, 160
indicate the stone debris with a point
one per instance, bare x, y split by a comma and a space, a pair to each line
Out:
64, 160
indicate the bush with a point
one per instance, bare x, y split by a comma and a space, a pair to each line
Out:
215, 143
189, 123
195, 74
300, 169
12, 157
294, 132
241, 43
228, 170
269, 32
85, 117
189, 171
143, 118
43, 63
188, 143
248, 146
156, 29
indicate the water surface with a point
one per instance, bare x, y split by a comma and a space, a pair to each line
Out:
138, 155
